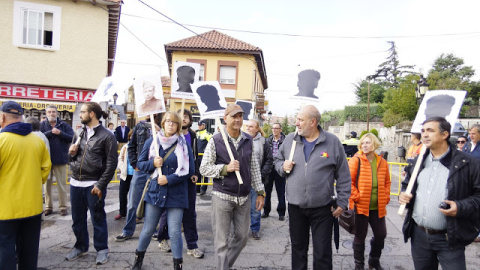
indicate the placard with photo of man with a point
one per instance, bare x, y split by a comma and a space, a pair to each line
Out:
210, 99
307, 84
184, 74
149, 95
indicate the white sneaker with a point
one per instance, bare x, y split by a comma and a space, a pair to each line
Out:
195, 253
164, 246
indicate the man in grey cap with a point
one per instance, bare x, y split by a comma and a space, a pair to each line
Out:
230, 200
25, 164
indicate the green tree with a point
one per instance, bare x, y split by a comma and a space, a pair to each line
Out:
400, 103
449, 72
286, 128
377, 92
390, 71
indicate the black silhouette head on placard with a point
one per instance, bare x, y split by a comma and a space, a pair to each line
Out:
247, 109
185, 77
209, 96
439, 105
307, 83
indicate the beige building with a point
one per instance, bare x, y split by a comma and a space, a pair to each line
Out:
239, 67
56, 52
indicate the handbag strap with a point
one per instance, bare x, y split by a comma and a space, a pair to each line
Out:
170, 151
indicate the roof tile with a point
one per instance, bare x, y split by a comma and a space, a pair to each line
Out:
225, 42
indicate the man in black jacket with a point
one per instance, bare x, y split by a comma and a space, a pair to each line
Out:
274, 141
444, 206
59, 136
93, 161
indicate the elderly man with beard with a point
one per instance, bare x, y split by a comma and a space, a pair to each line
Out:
59, 135
93, 162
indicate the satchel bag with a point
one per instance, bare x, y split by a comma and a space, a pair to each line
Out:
347, 218
141, 205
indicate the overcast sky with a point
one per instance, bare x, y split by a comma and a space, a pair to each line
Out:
344, 40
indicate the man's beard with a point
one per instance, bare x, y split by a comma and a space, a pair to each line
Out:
86, 120
51, 119
185, 127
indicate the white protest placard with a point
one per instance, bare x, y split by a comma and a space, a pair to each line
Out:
443, 103
149, 95
184, 74
210, 99
307, 83
247, 107
109, 86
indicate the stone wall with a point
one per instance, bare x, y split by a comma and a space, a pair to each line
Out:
391, 138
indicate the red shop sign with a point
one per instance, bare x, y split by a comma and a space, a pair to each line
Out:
40, 92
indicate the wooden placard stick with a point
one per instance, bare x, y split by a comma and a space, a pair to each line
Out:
292, 150
155, 145
227, 145
183, 107
413, 178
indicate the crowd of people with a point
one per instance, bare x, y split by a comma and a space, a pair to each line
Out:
160, 164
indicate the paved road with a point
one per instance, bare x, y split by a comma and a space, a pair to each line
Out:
273, 251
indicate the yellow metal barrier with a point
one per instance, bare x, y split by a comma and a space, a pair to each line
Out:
391, 166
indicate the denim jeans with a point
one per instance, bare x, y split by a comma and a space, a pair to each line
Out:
255, 216
224, 214
19, 237
134, 195
320, 221
428, 250
82, 200
174, 219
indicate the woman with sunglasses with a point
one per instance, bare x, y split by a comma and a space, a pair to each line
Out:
461, 141
168, 191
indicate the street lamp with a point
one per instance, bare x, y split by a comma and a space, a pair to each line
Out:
422, 88
269, 116
115, 96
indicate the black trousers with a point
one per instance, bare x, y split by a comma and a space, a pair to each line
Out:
280, 187
320, 221
123, 194
379, 228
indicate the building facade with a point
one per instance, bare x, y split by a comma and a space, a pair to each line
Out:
56, 52
239, 67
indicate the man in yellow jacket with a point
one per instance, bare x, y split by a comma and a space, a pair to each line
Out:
24, 167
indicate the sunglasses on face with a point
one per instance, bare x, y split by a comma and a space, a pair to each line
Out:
461, 141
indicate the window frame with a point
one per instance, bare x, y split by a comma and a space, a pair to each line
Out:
201, 62
18, 23
232, 64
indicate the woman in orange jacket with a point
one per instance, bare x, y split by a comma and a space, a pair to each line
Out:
370, 196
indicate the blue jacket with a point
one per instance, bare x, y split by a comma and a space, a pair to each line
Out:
59, 144
118, 134
175, 193
475, 152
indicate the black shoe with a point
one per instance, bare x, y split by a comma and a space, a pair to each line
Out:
265, 215
202, 192
122, 237
281, 218
256, 235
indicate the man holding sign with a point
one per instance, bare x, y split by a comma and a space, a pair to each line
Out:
230, 200
318, 162
444, 203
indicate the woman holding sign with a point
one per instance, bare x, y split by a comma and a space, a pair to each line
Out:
370, 196
168, 191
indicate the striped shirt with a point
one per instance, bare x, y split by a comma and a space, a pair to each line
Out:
275, 146
431, 191
208, 168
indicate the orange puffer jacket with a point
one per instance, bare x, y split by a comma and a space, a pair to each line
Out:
361, 196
